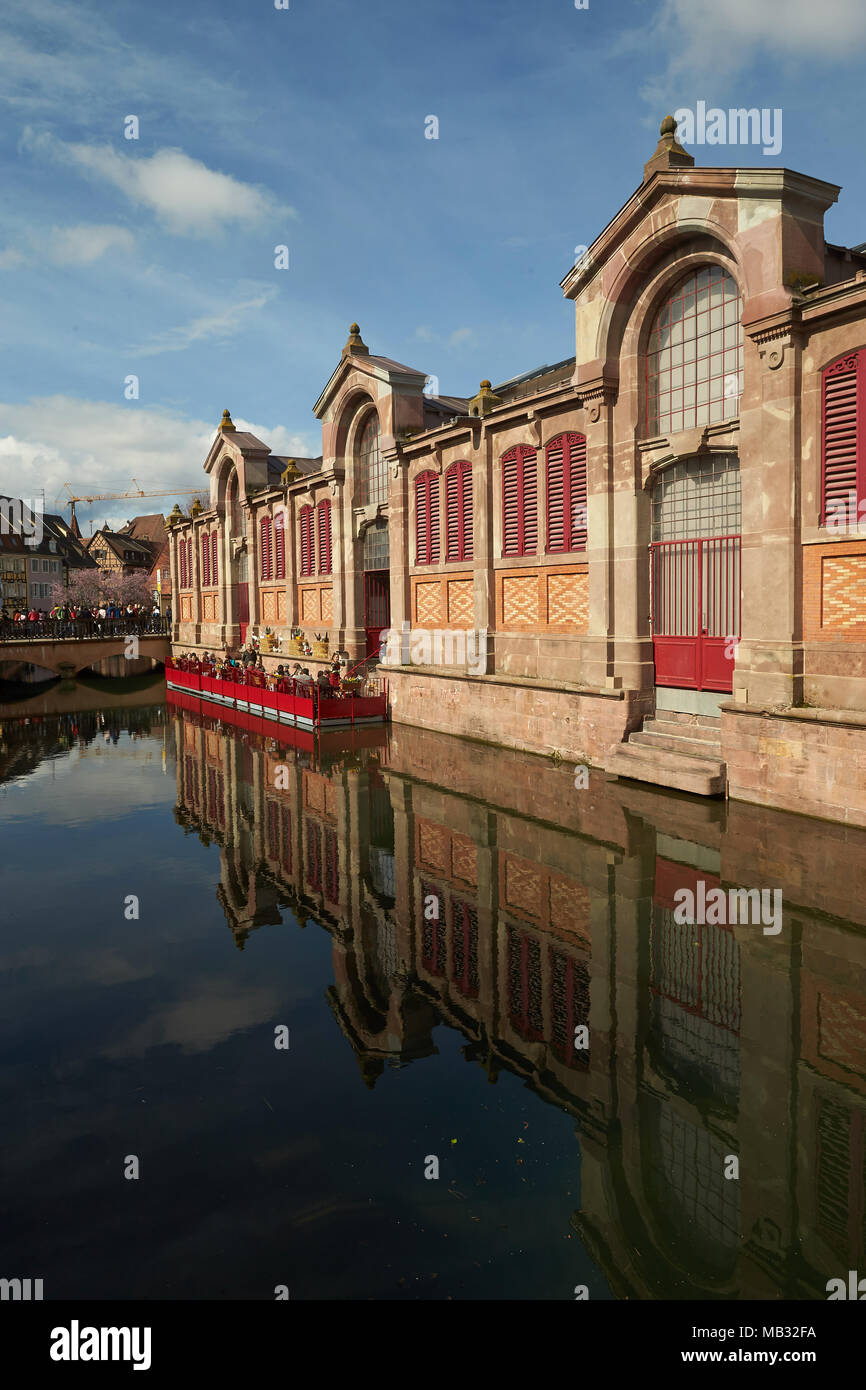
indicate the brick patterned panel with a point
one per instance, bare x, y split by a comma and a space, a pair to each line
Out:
521, 887
428, 604
327, 605
186, 608
569, 909
520, 600
212, 747
830, 589
268, 607
310, 606
568, 601
209, 608
190, 737
843, 592
433, 845
461, 604
464, 858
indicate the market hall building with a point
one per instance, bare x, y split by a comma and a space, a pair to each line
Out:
647, 557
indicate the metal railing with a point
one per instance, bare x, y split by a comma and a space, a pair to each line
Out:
82, 629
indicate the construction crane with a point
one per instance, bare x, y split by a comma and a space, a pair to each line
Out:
136, 491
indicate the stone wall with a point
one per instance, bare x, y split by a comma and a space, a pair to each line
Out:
810, 761
580, 724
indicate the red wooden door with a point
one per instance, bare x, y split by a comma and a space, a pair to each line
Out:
377, 607
696, 611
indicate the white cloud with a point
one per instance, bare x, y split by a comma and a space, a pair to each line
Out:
86, 243
460, 335
98, 446
185, 195
217, 327
79, 245
705, 38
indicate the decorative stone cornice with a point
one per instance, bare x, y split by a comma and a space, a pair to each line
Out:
774, 339
594, 395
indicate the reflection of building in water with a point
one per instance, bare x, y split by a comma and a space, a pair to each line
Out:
706, 1042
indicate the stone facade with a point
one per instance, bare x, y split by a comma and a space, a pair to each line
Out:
562, 607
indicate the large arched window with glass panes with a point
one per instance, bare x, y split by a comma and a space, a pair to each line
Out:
372, 470
694, 367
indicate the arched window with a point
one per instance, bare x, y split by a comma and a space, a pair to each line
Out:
458, 511
372, 472
566, 494
280, 545
266, 566
427, 519
214, 557
519, 501
323, 528
205, 559
695, 354
843, 437
307, 556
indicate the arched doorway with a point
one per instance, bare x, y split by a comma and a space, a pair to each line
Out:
695, 573
377, 584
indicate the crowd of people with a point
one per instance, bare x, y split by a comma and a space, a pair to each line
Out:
69, 620
247, 668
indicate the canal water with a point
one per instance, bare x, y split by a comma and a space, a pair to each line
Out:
390, 1015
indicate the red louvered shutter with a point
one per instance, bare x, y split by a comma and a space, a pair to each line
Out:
181, 549
433, 509
556, 495
452, 513
280, 545
266, 570
519, 501
458, 512
530, 503
214, 559
577, 508
566, 493
306, 541
466, 510
427, 519
323, 513
510, 503
844, 446
205, 559
421, 520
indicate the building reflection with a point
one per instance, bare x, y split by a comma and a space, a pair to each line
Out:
476, 887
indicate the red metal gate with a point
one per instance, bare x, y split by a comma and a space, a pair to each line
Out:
696, 611
377, 606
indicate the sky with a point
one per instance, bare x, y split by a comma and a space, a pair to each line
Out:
307, 127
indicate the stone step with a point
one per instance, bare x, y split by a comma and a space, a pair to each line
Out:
700, 721
665, 768
710, 733
678, 743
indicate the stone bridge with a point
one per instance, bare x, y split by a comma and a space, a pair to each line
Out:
66, 656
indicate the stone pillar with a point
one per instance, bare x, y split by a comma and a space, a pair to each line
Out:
483, 504
769, 665
252, 562
398, 537
338, 572
195, 533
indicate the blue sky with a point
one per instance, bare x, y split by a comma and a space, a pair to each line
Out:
306, 127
